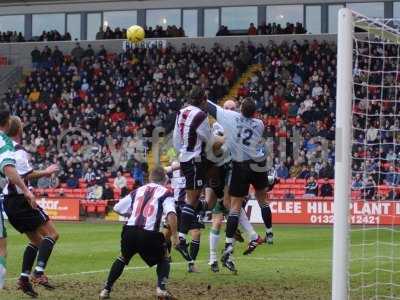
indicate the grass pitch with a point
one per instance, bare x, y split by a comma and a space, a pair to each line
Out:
297, 266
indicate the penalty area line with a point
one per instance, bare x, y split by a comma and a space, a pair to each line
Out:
183, 263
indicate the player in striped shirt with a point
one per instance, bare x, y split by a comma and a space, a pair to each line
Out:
192, 138
34, 222
144, 209
8, 170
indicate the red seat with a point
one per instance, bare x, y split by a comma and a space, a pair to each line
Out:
91, 207
290, 180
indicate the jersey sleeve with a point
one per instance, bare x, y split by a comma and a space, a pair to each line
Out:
204, 130
169, 205
7, 153
176, 140
125, 205
223, 116
22, 163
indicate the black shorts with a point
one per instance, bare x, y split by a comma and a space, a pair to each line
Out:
21, 215
218, 178
246, 173
196, 224
150, 245
194, 171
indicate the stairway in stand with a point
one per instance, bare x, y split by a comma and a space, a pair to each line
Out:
246, 76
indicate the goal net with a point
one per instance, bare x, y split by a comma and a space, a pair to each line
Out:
366, 251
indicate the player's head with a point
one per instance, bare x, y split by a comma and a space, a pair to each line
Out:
198, 97
248, 108
4, 116
15, 127
175, 165
230, 105
157, 175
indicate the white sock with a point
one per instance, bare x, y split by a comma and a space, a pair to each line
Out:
268, 230
3, 272
182, 235
244, 221
214, 240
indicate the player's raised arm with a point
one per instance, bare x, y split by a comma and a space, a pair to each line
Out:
35, 174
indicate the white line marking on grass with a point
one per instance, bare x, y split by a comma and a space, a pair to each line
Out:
184, 263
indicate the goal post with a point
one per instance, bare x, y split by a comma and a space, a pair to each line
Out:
366, 231
342, 153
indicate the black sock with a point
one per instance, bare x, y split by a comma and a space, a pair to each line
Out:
163, 273
266, 215
232, 223
115, 272
187, 218
28, 260
194, 249
45, 249
169, 246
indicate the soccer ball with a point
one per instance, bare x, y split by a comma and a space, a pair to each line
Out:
135, 34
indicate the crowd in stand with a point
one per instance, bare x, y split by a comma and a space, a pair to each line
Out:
157, 32
116, 100
11, 37
17, 37
264, 29
90, 111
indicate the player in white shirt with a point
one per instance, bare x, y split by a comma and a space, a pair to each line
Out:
32, 221
220, 191
192, 137
244, 139
8, 170
144, 209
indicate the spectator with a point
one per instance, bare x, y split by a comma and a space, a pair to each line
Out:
392, 178
108, 192
89, 176
393, 195
305, 172
138, 175
77, 53
326, 189
369, 190
35, 54
95, 191
358, 183
252, 30
288, 195
100, 34
311, 189
282, 171
120, 183
72, 182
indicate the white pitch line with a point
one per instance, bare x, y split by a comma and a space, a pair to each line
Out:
184, 263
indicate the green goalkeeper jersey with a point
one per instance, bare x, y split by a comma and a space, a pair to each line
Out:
7, 152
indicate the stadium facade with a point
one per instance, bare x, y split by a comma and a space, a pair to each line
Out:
82, 19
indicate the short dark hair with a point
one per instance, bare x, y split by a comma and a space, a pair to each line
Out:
248, 108
157, 175
197, 96
4, 114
